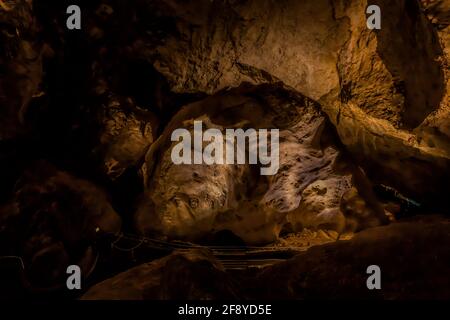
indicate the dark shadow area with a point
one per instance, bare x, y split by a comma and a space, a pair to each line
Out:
410, 49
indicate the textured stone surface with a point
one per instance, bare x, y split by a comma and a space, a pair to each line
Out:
191, 201
343, 96
52, 222
187, 275
413, 256
336, 270
389, 110
21, 66
126, 133
383, 100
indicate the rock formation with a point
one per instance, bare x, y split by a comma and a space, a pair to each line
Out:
86, 118
125, 135
22, 70
191, 275
389, 111
338, 270
53, 222
331, 271
190, 201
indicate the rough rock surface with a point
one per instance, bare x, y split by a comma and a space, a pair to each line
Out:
125, 136
52, 223
390, 111
191, 201
110, 89
386, 100
338, 270
183, 275
21, 66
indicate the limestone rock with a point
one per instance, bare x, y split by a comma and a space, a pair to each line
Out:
52, 223
385, 91
413, 257
438, 11
21, 66
187, 275
386, 100
126, 133
190, 201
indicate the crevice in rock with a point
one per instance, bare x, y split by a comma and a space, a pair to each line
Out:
411, 56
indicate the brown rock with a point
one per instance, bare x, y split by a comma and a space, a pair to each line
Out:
125, 136
52, 223
21, 64
385, 91
192, 201
413, 256
183, 275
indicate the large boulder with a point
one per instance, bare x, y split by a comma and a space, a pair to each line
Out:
183, 275
389, 111
190, 201
126, 132
21, 66
52, 222
413, 257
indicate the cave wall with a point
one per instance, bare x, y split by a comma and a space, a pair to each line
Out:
381, 89
112, 89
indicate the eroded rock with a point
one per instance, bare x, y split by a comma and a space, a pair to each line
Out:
188, 275
21, 66
190, 201
126, 133
385, 91
338, 270
52, 222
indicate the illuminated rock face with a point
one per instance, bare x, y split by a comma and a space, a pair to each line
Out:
101, 103
385, 91
392, 87
193, 274
126, 133
191, 201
